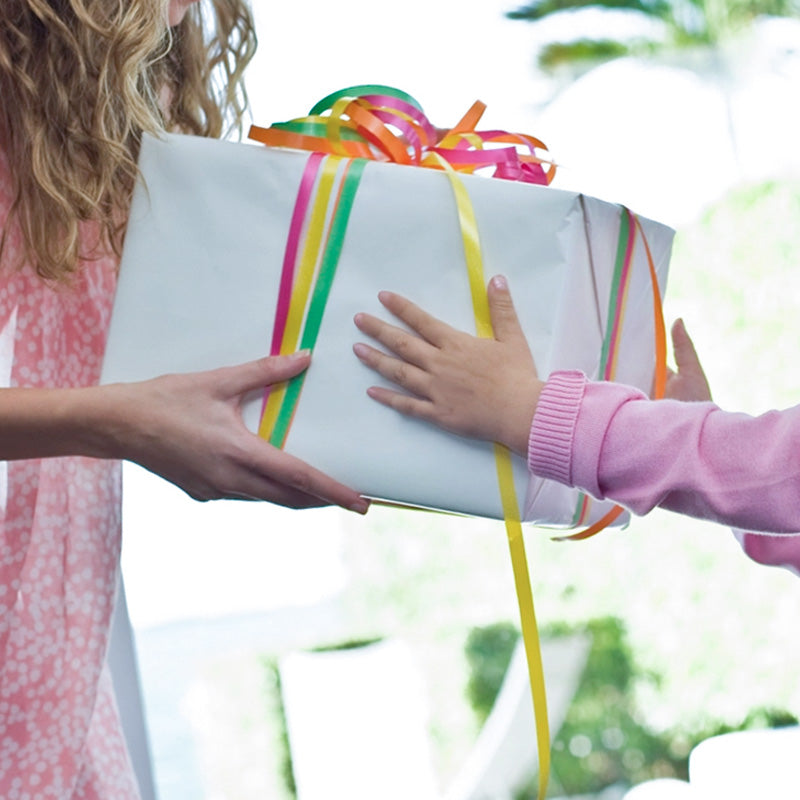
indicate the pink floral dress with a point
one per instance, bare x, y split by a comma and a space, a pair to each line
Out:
60, 736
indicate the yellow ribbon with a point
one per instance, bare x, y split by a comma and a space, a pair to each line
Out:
508, 493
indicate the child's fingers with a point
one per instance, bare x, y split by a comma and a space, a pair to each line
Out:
403, 344
426, 325
685, 353
505, 322
404, 403
690, 383
405, 375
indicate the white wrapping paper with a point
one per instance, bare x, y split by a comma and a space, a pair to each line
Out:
199, 283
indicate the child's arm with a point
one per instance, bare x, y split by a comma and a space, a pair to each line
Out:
606, 439
692, 458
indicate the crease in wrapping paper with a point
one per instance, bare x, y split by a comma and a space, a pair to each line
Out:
630, 225
578, 337
609, 352
587, 230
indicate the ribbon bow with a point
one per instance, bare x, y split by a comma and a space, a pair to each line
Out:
381, 123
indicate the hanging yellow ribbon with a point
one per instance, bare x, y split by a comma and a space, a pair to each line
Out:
508, 493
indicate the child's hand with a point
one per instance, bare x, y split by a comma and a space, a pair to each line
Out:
482, 388
689, 383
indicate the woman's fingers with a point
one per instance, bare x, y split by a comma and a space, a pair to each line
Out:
280, 477
252, 469
188, 428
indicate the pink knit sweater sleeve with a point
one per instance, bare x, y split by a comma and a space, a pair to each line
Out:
693, 458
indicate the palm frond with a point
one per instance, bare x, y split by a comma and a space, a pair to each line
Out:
539, 9
559, 54
690, 22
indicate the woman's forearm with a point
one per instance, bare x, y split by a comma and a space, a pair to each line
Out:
42, 423
186, 428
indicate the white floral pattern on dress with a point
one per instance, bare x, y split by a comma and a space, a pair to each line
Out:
60, 736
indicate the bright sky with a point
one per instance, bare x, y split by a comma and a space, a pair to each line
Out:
446, 53
654, 138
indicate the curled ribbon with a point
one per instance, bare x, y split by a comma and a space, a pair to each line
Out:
381, 123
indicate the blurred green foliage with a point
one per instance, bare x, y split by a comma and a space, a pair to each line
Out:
604, 739
666, 26
488, 650
273, 701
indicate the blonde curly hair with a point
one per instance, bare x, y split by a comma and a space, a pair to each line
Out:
80, 81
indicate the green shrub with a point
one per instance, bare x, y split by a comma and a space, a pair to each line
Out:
488, 651
272, 675
603, 740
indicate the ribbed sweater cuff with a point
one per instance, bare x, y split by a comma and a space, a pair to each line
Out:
553, 427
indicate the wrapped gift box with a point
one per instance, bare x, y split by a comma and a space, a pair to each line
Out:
199, 286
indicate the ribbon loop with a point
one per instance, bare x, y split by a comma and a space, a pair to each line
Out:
382, 123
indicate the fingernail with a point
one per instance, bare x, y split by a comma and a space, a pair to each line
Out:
500, 282
360, 507
360, 349
301, 354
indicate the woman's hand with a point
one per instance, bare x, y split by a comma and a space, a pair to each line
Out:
689, 383
189, 429
481, 388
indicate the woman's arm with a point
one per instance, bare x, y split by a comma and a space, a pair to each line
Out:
185, 428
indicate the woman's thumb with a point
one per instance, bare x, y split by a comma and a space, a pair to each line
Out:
266, 371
